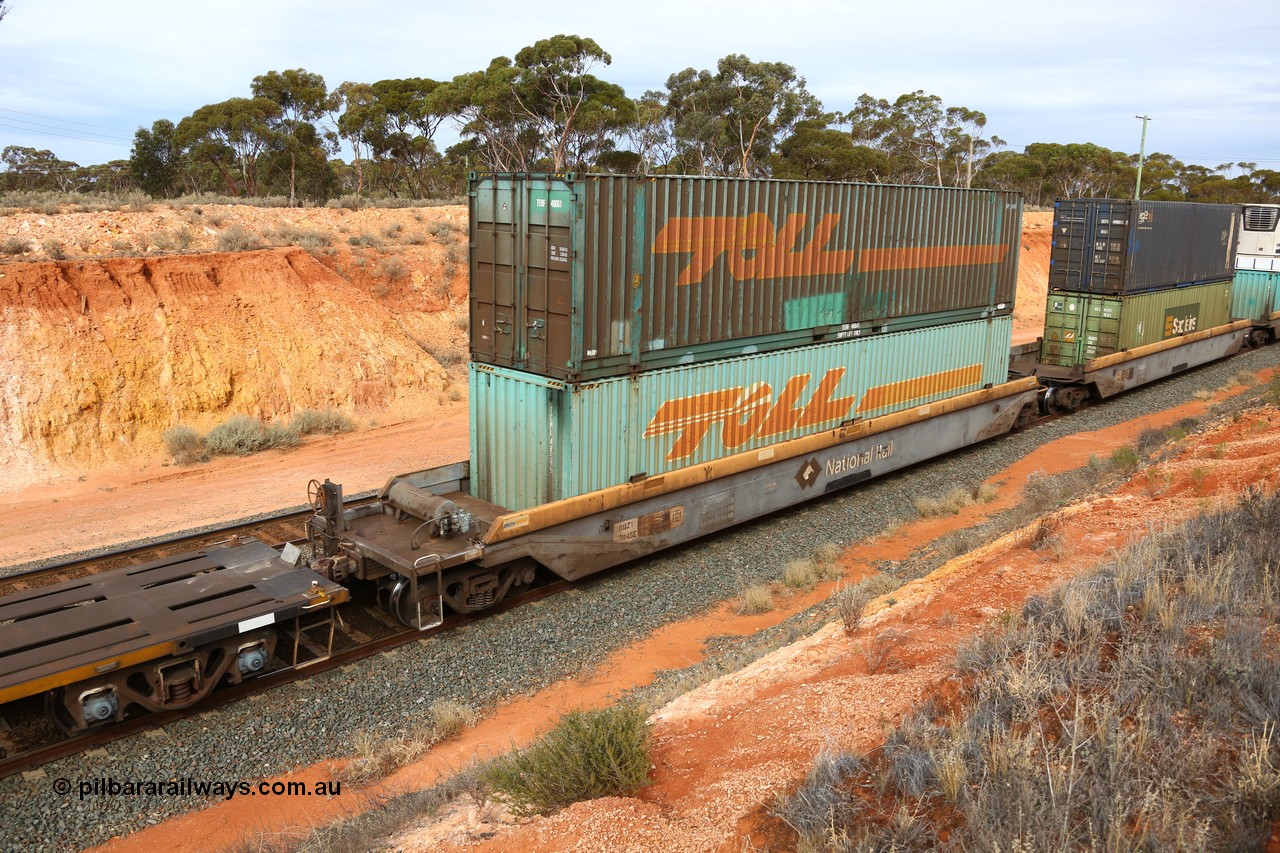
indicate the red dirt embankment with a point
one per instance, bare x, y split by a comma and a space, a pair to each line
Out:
102, 355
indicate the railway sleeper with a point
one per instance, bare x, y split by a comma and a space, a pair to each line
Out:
167, 684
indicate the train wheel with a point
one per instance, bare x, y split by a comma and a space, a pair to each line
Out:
401, 604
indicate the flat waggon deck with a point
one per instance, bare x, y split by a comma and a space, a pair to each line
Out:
60, 634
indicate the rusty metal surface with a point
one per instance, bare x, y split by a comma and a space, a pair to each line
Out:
589, 276
58, 634
536, 440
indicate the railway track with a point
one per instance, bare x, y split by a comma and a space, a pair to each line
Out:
274, 530
361, 630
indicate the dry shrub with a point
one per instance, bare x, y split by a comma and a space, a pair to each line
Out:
756, 599
374, 758
394, 268
288, 234
326, 421
1131, 708
185, 445
589, 754
955, 500
234, 238
800, 574
242, 435
851, 603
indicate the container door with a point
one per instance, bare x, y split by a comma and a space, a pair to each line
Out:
547, 333
1064, 325
1090, 245
493, 282
1102, 327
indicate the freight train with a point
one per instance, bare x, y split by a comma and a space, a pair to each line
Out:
654, 360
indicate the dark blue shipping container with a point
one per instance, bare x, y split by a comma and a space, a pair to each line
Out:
1121, 247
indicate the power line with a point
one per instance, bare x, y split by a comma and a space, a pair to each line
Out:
1220, 120
62, 120
55, 127
62, 135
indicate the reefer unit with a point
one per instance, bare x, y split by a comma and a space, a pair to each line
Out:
1082, 326
588, 276
1122, 247
1259, 244
535, 439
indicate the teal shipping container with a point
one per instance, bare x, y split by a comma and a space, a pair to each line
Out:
1255, 295
590, 276
536, 440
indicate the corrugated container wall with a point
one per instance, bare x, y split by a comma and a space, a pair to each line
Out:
1255, 294
1121, 247
535, 439
592, 276
1082, 326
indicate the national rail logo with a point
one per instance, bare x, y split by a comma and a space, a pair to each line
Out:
758, 250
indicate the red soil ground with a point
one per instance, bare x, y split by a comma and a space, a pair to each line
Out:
725, 750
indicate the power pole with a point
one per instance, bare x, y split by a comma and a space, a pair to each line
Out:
1142, 154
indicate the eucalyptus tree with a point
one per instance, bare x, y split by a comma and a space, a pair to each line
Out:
230, 136
542, 109
730, 121
925, 140
28, 169
156, 159
353, 112
302, 98
818, 152
402, 126
650, 135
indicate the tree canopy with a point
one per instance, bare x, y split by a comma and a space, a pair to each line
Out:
549, 108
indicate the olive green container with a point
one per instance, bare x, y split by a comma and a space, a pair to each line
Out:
1083, 326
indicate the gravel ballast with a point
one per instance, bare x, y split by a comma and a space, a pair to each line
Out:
515, 652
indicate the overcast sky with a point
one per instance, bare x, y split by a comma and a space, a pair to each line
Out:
1207, 73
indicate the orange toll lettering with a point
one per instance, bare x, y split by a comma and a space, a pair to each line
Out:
756, 249
748, 413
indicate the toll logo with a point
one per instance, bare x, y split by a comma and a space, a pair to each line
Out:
1181, 321
746, 413
755, 249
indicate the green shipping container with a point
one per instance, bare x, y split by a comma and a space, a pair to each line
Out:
1255, 294
1083, 326
535, 440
